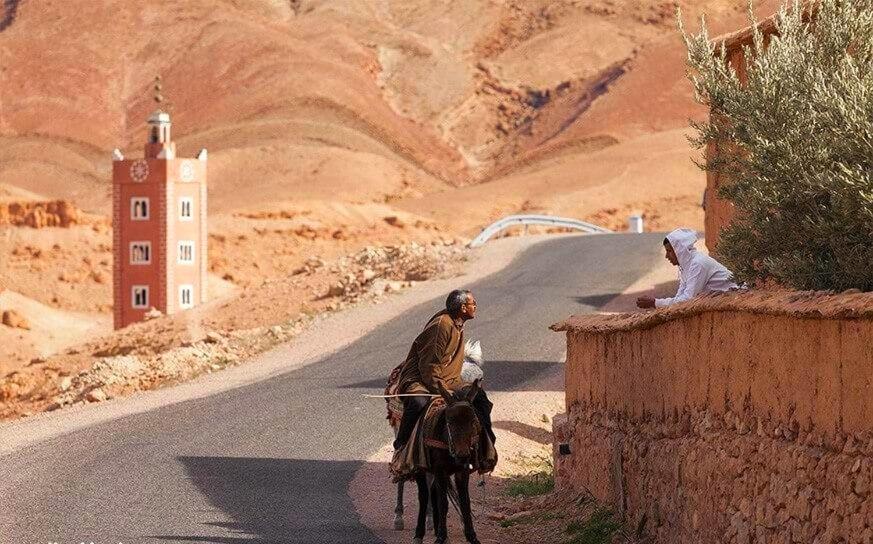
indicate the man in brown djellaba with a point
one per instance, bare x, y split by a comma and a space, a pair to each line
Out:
437, 356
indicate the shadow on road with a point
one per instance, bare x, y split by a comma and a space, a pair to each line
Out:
596, 301
626, 302
524, 430
501, 376
276, 500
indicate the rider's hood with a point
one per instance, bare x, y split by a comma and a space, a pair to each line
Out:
682, 241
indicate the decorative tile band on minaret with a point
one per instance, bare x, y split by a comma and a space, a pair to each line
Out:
159, 226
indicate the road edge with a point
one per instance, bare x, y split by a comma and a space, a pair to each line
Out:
306, 348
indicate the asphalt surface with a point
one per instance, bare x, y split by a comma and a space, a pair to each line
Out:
271, 462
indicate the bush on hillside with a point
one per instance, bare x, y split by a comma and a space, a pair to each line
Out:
801, 134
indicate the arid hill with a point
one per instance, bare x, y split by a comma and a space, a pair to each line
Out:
332, 126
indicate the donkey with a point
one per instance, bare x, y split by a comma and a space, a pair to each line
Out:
471, 370
458, 429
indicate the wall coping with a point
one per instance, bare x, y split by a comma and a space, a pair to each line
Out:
798, 304
737, 39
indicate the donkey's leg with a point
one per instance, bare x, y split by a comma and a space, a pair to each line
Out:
423, 503
435, 505
462, 483
431, 485
398, 509
441, 514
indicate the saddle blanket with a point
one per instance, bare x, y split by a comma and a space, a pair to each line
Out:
413, 458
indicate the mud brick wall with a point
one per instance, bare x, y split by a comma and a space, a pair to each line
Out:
733, 418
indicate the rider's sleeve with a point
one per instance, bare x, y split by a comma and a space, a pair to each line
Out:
691, 284
433, 355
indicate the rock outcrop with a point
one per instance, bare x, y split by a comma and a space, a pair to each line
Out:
39, 214
13, 319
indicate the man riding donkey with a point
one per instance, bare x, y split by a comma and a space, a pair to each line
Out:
435, 359
433, 366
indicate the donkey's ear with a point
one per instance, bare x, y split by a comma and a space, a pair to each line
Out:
474, 390
445, 394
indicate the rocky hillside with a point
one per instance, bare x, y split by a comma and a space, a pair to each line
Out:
331, 126
356, 100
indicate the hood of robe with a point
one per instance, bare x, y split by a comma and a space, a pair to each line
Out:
683, 241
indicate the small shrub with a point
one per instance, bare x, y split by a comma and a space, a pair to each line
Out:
600, 528
517, 521
532, 484
539, 481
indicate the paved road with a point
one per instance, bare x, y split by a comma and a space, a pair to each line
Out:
271, 462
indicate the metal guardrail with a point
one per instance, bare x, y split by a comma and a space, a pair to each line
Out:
548, 220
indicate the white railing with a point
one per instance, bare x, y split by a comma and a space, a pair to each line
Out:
547, 220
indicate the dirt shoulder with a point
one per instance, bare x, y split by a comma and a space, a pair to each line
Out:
518, 503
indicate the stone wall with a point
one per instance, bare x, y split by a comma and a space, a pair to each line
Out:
732, 418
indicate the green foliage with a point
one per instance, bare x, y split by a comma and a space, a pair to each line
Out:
800, 135
538, 481
516, 521
600, 528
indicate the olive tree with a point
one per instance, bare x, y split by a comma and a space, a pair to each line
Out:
796, 144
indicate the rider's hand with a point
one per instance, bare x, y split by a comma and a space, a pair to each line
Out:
645, 302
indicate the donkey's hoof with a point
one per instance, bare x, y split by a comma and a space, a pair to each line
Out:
398, 523
417, 540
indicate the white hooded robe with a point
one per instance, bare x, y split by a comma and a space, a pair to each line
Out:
698, 273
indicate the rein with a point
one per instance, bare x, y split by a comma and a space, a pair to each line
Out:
397, 395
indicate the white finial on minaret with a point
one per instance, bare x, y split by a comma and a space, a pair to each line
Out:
202, 154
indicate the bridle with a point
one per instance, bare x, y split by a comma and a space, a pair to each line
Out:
477, 429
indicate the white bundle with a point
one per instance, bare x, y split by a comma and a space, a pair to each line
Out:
473, 363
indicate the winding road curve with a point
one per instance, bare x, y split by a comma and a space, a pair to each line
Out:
270, 462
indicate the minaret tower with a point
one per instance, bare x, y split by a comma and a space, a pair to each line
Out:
159, 226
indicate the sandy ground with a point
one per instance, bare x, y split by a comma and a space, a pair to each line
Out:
523, 425
50, 330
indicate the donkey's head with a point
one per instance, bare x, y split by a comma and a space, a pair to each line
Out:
462, 424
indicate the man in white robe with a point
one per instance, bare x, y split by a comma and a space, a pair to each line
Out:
698, 272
